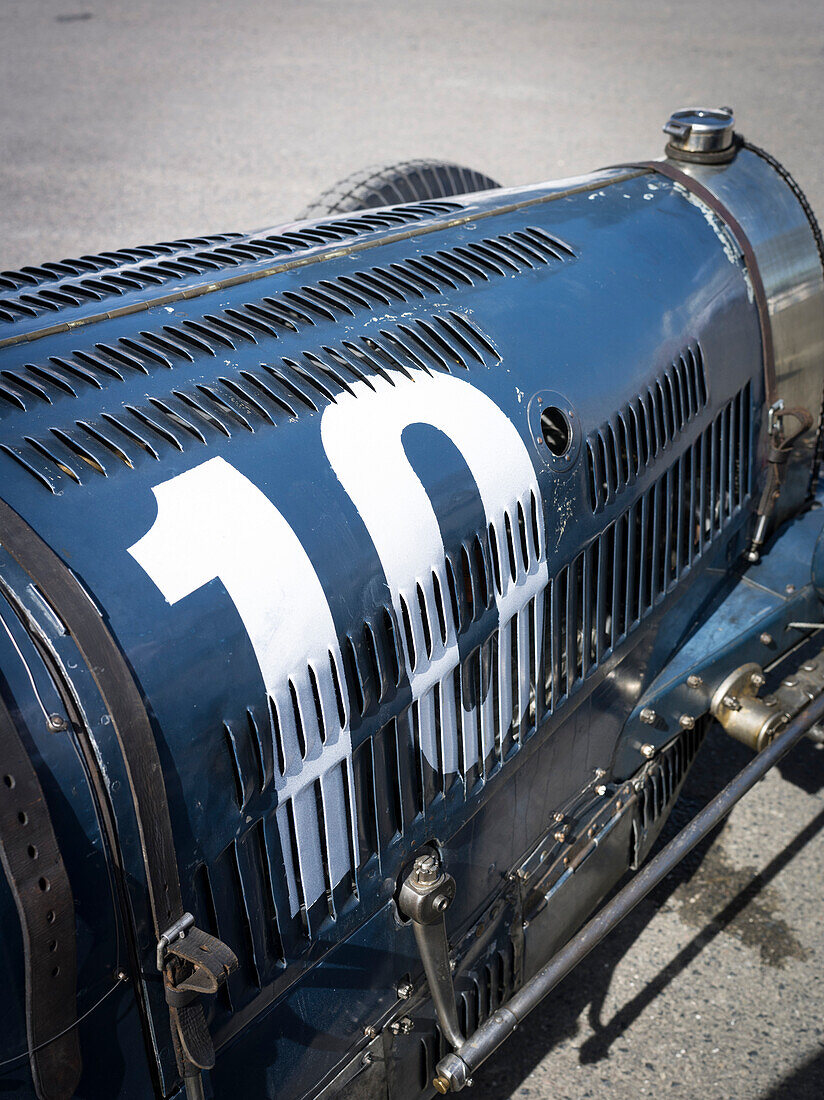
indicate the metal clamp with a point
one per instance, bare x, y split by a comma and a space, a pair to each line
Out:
426, 894
176, 931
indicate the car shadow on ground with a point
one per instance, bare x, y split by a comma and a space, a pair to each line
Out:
733, 900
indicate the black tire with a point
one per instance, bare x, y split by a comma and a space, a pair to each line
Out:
410, 181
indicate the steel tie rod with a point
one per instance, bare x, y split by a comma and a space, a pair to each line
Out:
454, 1070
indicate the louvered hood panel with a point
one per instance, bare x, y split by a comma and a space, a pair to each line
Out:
371, 520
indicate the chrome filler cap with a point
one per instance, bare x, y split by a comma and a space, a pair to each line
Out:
703, 134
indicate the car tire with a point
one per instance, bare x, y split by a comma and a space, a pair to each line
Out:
409, 181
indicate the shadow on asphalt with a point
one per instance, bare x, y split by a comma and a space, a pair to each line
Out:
804, 1083
585, 989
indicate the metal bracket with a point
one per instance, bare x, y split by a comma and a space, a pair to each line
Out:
176, 931
775, 415
425, 895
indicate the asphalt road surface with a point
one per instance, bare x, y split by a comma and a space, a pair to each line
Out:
124, 123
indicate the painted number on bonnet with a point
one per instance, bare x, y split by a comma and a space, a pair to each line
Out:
213, 523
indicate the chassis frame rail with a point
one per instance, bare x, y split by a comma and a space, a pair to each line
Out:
454, 1070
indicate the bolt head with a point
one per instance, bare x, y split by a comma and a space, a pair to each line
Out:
789, 589
405, 990
694, 681
426, 870
765, 638
601, 790
648, 751
369, 1032
757, 680
686, 722
731, 703
648, 716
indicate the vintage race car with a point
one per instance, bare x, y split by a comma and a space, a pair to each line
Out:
367, 587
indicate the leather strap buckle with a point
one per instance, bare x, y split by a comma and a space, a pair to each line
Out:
192, 963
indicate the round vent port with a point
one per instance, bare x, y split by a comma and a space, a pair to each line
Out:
556, 430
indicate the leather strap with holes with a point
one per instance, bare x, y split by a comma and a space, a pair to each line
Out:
42, 893
137, 744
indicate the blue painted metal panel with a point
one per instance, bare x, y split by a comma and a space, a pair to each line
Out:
296, 444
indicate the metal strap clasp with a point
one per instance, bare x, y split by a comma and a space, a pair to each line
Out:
176, 931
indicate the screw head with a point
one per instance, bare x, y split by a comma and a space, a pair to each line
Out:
765, 638
369, 1032
648, 751
601, 789
441, 1084
56, 723
789, 589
